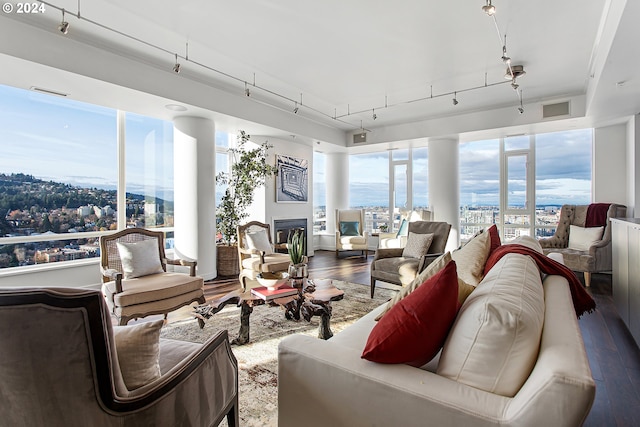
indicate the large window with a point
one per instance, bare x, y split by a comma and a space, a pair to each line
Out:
319, 193
369, 187
395, 178
559, 163
59, 176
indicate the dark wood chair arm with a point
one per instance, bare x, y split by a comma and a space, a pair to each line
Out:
185, 263
113, 275
425, 260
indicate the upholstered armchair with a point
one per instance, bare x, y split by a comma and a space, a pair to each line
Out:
580, 251
64, 364
400, 266
350, 234
256, 253
398, 239
135, 279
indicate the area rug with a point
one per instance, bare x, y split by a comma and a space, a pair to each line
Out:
258, 360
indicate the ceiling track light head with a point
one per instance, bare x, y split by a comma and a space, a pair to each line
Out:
455, 100
514, 71
489, 9
176, 67
64, 25
506, 59
295, 109
514, 85
374, 115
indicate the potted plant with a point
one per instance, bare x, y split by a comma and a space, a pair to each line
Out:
296, 247
249, 170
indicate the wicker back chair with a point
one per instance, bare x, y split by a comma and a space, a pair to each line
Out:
258, 259
131, 296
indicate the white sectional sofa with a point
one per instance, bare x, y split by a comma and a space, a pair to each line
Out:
327, 383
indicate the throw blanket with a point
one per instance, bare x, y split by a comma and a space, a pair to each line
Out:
582, 301
597, 214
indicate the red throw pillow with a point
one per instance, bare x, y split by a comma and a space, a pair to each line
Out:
495, 238
415, 329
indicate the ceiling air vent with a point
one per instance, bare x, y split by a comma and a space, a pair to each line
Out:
555, 110
359, 138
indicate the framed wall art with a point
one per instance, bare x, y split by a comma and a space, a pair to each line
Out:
292, 180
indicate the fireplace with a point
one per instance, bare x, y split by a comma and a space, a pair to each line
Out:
282, 228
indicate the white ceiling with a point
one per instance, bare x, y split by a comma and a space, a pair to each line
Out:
346, 58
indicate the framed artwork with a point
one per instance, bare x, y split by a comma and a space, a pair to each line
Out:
292, 180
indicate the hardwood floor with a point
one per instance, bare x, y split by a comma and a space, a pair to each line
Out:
613, 354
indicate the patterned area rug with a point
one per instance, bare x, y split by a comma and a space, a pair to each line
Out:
258, 360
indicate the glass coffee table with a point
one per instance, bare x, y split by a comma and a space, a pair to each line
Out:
313, 299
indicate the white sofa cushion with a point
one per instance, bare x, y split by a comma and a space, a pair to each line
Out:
527, 241
494, 342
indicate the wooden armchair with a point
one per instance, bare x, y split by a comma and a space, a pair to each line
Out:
256, 253
135, 278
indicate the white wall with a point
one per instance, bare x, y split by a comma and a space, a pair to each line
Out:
633, 166
74, 274
609, 180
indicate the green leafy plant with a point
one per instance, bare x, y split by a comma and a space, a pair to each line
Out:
296, 247
249, 170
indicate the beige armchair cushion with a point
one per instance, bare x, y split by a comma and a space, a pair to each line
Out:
139, 258
138, 350
272, 263
152, 288
353, 240
260, 241
417, 245
581, 238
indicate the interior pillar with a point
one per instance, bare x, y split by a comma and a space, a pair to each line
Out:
337, 181
194, 192
444, 185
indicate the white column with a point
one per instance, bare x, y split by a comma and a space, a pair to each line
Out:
194, 189
444, 185
337, 181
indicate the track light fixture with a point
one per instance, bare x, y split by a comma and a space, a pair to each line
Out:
176, 67
505, 58
455, 100
489, 9
247, 92
514, 71
295, 109
514, 85
64, 25
374, 115
520, 108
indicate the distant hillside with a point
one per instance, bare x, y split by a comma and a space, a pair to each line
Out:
24, 192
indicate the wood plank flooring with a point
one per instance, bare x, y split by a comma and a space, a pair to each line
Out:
613, 354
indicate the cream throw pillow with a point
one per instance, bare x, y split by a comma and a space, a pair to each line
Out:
417, 245
471, 258
138, 350
494, 342
139, 258
260, 241
464, 289
581, 238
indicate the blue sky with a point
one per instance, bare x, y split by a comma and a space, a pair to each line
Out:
63, 140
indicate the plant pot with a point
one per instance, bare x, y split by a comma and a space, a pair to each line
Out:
227, 260
297, 272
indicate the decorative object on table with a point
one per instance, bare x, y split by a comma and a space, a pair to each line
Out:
273, 281
270, 293
249, 170
292, 179
296, 247
383, 228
